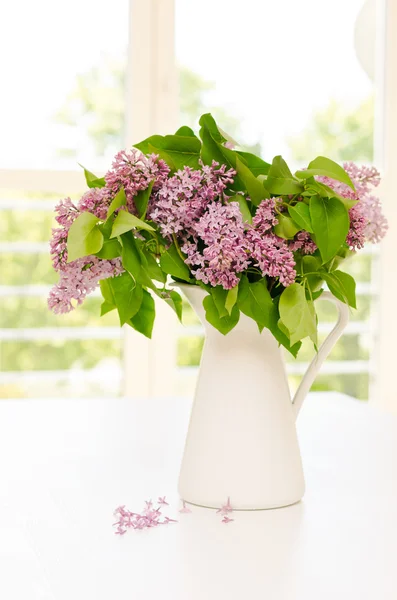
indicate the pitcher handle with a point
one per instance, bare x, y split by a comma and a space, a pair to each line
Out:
324, 350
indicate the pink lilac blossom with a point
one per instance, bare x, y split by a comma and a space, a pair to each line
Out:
80, 277
96, 201
272, 255
363, 177
265, 217
367, 222
377, 225
303, 242
183, 198
150, 517
358, 224
221, 229
135, 171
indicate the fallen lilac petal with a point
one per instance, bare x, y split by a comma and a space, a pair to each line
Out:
168, 520
184, 508
225, 508
228, 505
227, 519
162, 501
147, 519
119, 510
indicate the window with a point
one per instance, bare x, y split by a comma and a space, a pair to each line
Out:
274, 82
57, 109
271, 79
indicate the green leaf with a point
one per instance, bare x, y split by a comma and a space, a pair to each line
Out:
228, 137
106, 307
326, 168
185, 131
92, 180
286, 228
256, 165
174, 300
106, 228
343, 254
244, 208
141, 200
84, 237
107, 292
183, 150
342, 286
317, 294
301, 215
212, 150
134, 261
297, 313
280, 169
127, 296
280, 179
276, 327
207, 121
222, 324
152, 267
144, 319
330, 222
231, 299
254, 300
118, 200
173, 264
283, 329
110, 249
254, 187
317, 188
282, 187
219, 295
130, 256
163, 155
125, 221
311, 264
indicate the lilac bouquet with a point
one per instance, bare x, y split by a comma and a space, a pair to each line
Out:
259, 239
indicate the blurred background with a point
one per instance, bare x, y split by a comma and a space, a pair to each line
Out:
285, 77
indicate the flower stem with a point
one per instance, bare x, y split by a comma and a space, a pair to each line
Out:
177, 247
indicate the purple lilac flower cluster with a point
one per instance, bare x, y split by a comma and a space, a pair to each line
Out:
79, 277
367, 222
184, 197
192, 208
210, 229
135, 171
132, 170
303, 243
226, 248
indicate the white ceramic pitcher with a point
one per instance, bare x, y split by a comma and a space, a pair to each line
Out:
242, 442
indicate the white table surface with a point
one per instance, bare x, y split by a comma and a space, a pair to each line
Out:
66, 464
